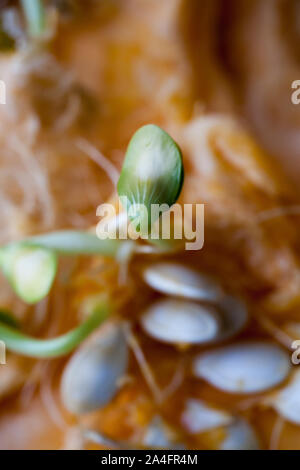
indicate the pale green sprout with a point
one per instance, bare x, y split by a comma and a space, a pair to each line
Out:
34, 12
30, 265
75, 242
26, 345
152, 173
30, 269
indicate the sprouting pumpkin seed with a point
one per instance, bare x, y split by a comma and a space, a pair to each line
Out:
152, 173
29, 269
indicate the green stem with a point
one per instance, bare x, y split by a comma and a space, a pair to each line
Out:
47, 348
73, 242
34, 12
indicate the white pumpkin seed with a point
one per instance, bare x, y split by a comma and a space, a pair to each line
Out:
199, 417
175, 279
240, 436
287, 401
159, 436
178, 321
244, 368
90, 379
